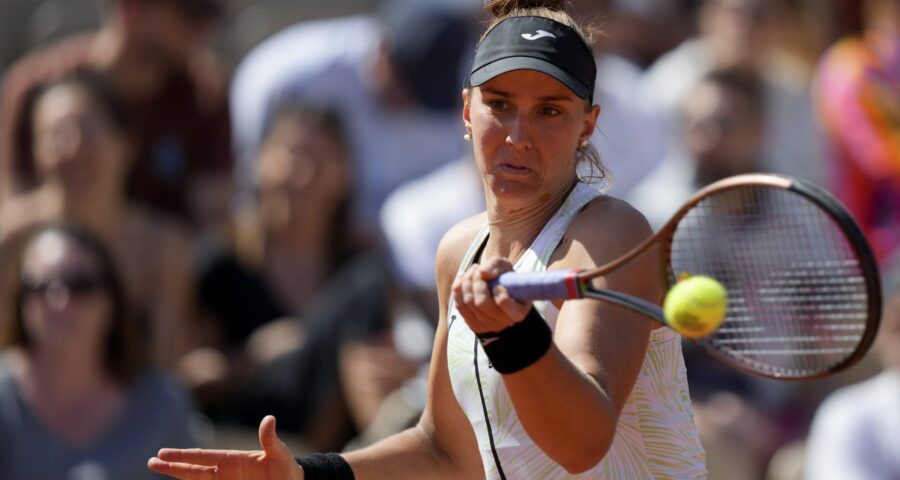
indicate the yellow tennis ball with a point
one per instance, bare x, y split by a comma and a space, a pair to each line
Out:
696, 306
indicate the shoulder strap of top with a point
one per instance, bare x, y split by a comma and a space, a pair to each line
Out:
547, 241
538, 254
474, 248
536, 258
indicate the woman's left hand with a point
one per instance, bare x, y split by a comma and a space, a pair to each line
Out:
487, 309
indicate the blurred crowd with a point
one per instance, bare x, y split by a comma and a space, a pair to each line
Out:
214, 210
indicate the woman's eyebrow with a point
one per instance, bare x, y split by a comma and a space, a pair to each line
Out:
494, 91
556, 98
546, 98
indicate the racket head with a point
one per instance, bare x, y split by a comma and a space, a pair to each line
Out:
804, 292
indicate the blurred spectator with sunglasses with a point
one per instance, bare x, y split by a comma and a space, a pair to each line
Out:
82, 151
77, 399
153, 52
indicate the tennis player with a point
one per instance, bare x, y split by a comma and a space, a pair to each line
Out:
579, 389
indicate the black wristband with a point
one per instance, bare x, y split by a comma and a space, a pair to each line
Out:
325, 466
518, 346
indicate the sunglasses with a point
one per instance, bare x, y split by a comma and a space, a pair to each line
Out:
76, 285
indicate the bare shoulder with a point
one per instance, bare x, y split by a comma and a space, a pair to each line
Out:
454, 245
605, 229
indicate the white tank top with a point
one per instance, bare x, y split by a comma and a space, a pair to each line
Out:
656, 436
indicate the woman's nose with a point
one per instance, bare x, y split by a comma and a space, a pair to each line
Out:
518, 136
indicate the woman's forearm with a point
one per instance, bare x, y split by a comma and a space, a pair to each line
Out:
564, 410
411, 454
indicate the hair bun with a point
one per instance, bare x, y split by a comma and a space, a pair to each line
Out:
502, 8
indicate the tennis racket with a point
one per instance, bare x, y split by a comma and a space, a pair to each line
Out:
804, 298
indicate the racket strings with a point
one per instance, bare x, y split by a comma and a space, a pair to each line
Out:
797, 295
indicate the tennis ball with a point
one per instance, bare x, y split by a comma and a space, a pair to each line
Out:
696, 306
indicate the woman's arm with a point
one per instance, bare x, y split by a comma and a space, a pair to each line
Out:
443, 444
569, 400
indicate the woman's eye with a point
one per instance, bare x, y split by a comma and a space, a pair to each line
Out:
497, 104
549, 112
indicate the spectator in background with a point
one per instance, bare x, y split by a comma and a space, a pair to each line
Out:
737, 34
285, 246
856, 431
82, 151
77, 399
724, 135
289, 242
172, 88
395, 79
295, 292
858, 95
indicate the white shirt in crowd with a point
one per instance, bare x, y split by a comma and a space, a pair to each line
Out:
856, 433
327, 63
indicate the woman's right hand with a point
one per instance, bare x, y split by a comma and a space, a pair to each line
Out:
274, 462
484, 308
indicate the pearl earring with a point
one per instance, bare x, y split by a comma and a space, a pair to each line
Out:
467, 137
584, 144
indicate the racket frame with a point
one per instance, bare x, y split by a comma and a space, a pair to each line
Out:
664, 237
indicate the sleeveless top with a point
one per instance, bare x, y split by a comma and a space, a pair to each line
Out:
655, 437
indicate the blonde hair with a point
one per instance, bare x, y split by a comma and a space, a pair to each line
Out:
555, 10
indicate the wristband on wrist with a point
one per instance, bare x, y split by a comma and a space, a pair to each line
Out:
518, 346
325, 466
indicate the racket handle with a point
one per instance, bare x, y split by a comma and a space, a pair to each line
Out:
530, 286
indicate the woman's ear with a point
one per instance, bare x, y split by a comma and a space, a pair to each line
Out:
590, 123
467, 119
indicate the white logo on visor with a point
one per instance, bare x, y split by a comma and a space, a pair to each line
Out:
539, 34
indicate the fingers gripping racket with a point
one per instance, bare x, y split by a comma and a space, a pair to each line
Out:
804, 297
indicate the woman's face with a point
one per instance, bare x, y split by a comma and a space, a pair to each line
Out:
75, 142
526, 128
301, 166
65, 301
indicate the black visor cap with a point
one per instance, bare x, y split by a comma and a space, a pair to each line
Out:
540, 44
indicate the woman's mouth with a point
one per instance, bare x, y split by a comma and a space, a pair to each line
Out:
511, 169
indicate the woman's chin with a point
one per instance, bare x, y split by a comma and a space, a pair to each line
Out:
514, 192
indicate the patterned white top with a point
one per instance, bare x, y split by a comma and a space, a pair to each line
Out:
656, 437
